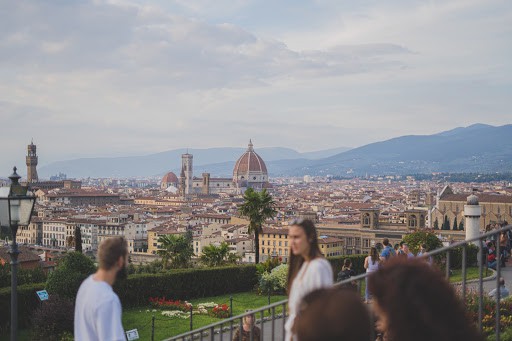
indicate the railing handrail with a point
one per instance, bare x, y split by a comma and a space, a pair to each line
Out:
231, 319
358, 278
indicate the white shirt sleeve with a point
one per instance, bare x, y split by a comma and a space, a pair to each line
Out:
319, 275
109, 325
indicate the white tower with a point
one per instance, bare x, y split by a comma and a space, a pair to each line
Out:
186, 166
472, 213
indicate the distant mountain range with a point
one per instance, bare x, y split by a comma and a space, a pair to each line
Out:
477, 148
217, 161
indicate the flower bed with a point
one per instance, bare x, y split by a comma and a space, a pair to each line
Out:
181, 309
220, 311
157, 302
489, 312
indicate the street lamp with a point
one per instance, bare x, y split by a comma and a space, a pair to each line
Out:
16, 205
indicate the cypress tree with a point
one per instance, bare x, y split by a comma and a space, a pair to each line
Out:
78, 239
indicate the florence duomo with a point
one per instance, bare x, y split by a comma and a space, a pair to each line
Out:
249, 171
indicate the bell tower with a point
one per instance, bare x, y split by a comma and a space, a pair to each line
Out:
186, 166
32, 163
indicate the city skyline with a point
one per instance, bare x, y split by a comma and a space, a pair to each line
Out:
94, 78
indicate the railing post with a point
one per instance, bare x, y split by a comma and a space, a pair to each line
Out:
284, 320
230, 306
153, 328
269, 299
191, 322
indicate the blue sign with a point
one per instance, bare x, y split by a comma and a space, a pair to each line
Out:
43, 295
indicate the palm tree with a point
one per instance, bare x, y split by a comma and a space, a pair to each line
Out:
258, 207
177, 249
213, 255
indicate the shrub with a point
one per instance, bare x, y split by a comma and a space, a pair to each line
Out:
53, 318
415, 239
25, 276
274, 281
72, 269
185, 284
27, 302
471, 257
268, 265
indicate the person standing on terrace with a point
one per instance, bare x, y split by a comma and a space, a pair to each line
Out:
249, 331
413, 301
308, 269
388, 250
97, 307
371, 264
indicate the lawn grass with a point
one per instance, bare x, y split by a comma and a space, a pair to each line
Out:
165, 327
471, 273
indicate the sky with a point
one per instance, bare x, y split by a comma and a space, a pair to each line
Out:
92, 78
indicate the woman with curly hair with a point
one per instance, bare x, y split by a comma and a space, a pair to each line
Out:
413, 301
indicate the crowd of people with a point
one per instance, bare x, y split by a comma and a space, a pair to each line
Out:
407, 298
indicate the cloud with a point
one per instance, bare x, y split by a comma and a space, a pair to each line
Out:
93, 78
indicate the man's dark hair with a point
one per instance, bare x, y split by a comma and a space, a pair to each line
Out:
385, 241
110, 250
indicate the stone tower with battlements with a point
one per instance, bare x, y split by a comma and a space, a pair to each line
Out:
32, 163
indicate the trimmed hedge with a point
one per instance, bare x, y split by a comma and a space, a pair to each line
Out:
27, 303
186, 284
456, 257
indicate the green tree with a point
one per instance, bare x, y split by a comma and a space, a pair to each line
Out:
71, 270
436, 224
415, 239
257, 207
446, 223
213, 255
78, 239
455, 224
176, 250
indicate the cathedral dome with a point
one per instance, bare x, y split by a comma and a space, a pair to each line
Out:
250, 162
169, 178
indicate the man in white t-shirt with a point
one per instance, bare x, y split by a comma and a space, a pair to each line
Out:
97, 308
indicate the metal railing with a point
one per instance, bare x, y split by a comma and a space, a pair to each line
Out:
271, 323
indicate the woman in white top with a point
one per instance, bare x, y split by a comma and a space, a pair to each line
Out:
371, 264
308, 270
